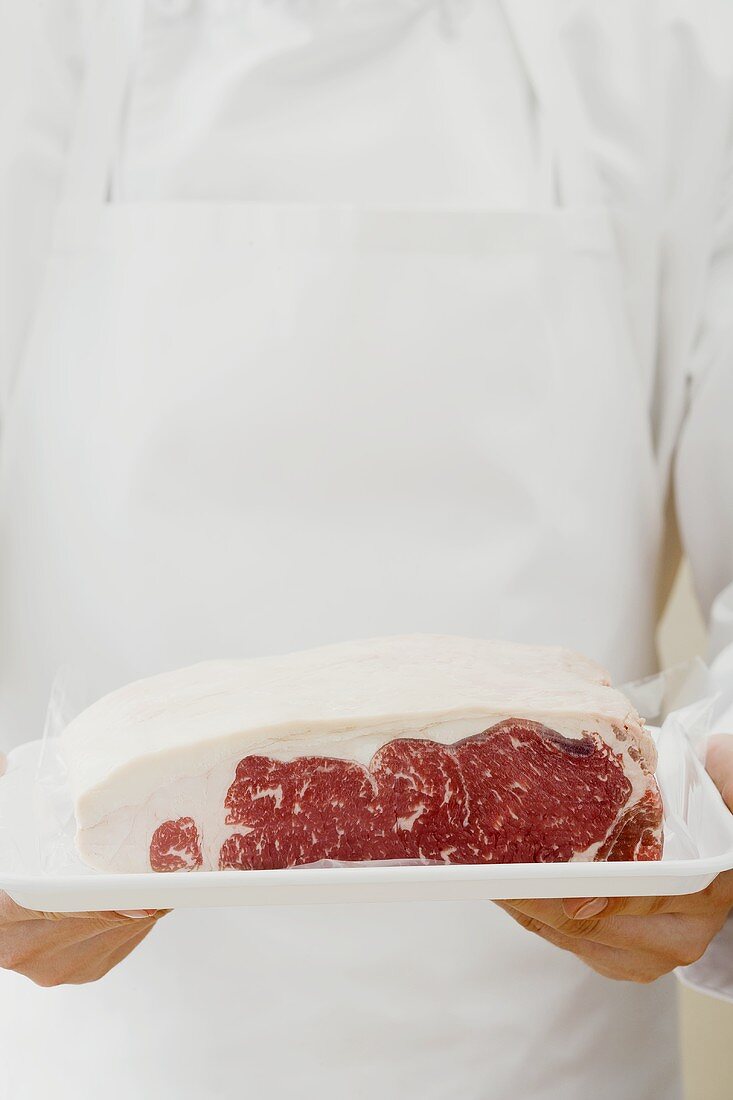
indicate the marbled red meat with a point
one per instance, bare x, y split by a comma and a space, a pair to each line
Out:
636, 835
429, 809
176, 846
518, 792
308, 803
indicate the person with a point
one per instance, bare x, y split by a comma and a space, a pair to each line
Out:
342, 318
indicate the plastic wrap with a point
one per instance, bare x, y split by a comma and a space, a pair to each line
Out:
681, 699
40, 867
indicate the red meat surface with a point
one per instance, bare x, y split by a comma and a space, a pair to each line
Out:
516, 793
176, 846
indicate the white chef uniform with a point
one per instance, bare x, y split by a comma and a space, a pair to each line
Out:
362, 316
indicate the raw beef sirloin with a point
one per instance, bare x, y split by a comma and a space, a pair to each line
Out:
428, 748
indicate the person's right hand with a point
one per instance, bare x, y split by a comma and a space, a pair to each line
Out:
68, 948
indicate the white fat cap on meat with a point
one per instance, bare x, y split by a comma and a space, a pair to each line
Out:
340, 700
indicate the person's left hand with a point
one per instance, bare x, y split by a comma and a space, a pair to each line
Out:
639, 939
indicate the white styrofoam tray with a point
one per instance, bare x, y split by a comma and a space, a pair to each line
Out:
694, 855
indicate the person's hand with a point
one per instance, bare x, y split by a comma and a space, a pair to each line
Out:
719, 763
68, 948
639, 939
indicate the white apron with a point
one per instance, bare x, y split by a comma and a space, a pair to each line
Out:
241, 429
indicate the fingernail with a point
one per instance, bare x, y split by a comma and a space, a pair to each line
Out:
587, 908
136, 913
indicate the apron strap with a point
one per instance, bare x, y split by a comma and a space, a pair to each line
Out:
534, 26
97, 131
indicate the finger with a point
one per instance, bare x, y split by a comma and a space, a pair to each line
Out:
96, 919
85, 960
41, 948
718, 895
552, 911
658, 943
622, 932
43, 940
103, 918
11, 912
627, 966
719, 763
548, 913
580, 916
637, 965
101, 939
603, 908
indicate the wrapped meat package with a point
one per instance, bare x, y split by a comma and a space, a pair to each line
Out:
419, 748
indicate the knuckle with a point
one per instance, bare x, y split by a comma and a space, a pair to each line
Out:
579, 929
530, 923
690, 952
535, 926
